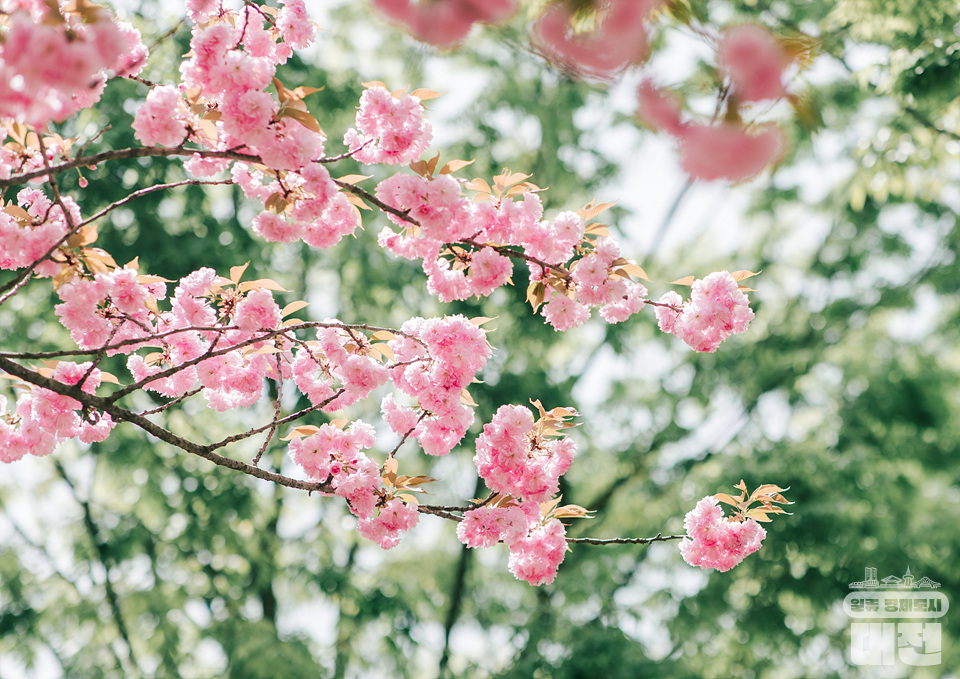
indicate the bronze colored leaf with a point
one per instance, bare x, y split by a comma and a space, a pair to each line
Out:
85, 236
302, 117
592, 209
292, 307
479, 185
301, 432
146, 279
355, 200
384, 350
421, 168
236, 272
266, 283
743, 275
432, 163
633, 270
353, 178
455, 165
424, 94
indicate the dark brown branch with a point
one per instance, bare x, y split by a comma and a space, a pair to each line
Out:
509, 252
124, 154
276, 415
370, 198
120, 414
625, 541
178, 399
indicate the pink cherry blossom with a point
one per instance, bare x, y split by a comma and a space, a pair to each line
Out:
257, 311
659, 108
619, 39
727, 151
486, 526
392, 520
275, 228
755, 61
52, 67
158, 121
564, 313
389, 129
537, 557
513, 461
716, 542
445, 22
716, 310
295, 25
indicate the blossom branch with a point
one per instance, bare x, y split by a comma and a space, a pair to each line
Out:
125, 154
119, 413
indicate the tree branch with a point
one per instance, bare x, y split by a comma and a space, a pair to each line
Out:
125, 154
120, 414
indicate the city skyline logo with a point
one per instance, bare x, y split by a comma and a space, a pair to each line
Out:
908, 581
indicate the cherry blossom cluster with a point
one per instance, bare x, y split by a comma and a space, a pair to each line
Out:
332, 454
618, 38
221, 102
753, 61
118, 310
444, 22
515, 456
392, 520
716, 542
54, 63
522, 461
390, 129
21, 153
337, 454
599, 279
537, 544
42, 419
717, 309
466, 247
435, 360
32, 228
302, 205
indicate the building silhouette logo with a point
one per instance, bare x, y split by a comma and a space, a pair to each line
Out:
892, 581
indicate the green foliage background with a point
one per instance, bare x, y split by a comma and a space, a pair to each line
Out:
130, 559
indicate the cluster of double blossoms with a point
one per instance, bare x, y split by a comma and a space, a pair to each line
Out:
715, 541
224, 338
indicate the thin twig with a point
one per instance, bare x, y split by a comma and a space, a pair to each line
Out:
178, 399
276, 415
150, 189
625, 541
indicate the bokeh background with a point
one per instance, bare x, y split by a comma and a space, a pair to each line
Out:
131, 559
